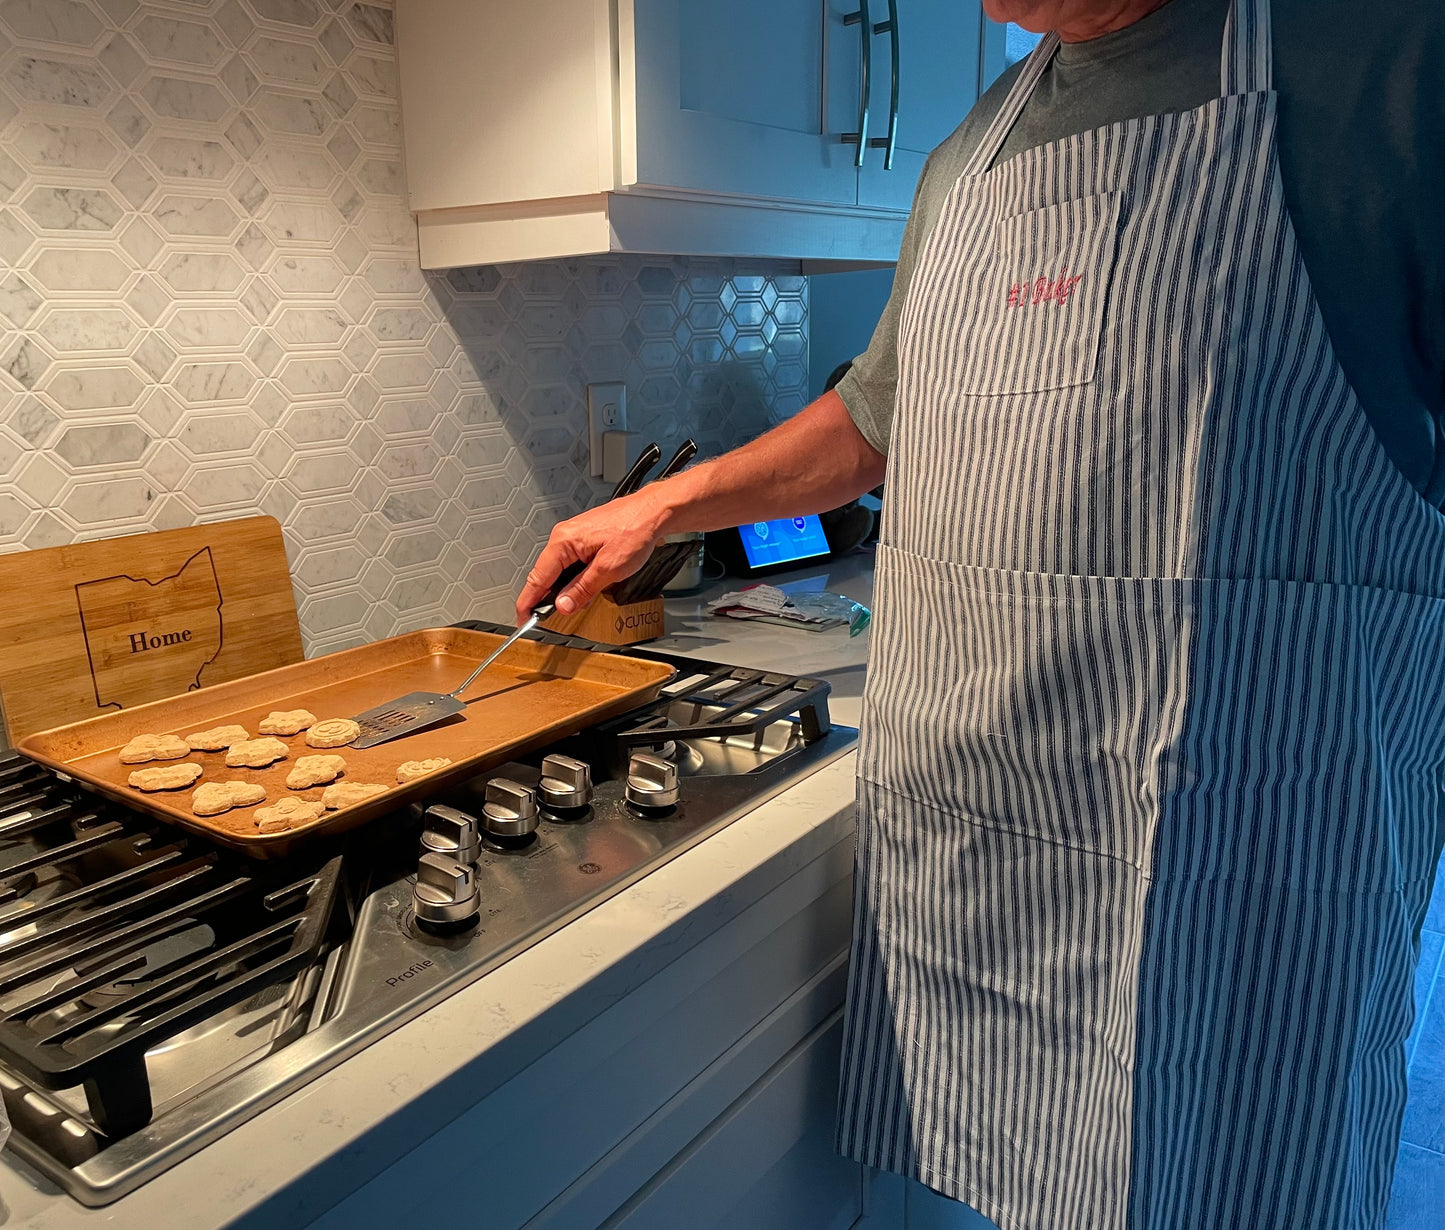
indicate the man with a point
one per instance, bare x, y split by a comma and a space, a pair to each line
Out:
1151, 773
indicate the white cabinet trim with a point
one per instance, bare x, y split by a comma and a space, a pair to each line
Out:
655, 223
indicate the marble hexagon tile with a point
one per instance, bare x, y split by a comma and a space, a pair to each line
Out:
210, 306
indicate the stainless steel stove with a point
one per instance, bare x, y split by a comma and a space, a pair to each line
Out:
156, 991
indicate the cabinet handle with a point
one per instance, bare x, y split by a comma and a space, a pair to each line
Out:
865, 29
890, 142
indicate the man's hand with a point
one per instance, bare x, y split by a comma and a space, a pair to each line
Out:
616, 537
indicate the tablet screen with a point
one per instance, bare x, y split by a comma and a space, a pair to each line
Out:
766, 543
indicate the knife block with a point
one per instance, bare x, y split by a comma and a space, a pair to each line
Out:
607, 623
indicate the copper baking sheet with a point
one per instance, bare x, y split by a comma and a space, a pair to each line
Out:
535, 694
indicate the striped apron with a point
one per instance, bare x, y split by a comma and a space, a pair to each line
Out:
1151, 772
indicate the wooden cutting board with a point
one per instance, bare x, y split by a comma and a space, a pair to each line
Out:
100, 626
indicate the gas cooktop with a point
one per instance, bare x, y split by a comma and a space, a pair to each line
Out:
156, 991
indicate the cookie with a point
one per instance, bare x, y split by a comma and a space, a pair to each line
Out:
255, 753
286, 813
154, 747
217, 738
286, 721
166, 777
410, 770
333, 732
344, 794
315, 771
215, 797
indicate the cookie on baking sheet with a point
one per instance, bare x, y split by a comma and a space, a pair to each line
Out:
333, 732
410, 770
255, 753
215, 797
217, 738
286, 722
154, 747
286, 813
166, 777
315, 771
344, 794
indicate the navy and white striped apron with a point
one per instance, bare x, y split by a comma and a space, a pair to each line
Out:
1151, 777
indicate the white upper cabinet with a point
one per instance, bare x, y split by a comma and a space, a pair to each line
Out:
690, 127
730, 96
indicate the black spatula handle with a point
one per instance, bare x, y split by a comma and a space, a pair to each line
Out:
548, 606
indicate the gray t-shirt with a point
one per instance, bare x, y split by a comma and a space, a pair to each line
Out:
1361, 126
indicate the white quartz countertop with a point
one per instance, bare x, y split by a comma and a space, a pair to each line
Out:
831, 655
286, 1166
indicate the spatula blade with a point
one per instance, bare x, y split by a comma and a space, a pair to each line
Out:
404, 716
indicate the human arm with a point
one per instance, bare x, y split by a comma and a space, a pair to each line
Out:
815, 461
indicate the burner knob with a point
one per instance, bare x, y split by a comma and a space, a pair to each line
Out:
510, 809
566, 783
651, 781
449, 831
446, 890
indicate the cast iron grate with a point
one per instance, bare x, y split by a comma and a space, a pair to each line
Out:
117, 933
728, 700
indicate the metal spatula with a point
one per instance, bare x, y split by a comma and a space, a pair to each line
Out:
421, 710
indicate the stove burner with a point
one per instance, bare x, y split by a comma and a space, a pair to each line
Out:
120, 936
689, 760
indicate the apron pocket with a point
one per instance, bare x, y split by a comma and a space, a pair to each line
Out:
1041, 309
1022, 701
1282, 732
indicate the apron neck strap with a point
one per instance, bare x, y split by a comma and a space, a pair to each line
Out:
1246, 66
993, 139
1247, 60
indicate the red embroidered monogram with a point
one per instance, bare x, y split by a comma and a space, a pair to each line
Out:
1044, 290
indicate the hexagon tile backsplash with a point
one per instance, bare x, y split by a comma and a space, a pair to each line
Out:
210, 306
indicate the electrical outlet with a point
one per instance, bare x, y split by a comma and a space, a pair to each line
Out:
606, 411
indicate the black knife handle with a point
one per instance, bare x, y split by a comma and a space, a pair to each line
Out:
632, 480
679, 459
548, 606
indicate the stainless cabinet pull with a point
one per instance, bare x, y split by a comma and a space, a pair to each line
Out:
890, 142
865, 24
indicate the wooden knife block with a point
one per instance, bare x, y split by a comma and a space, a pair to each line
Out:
607, 623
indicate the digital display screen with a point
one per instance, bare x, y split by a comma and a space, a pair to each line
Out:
781, 542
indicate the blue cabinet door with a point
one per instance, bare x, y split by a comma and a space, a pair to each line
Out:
939, 57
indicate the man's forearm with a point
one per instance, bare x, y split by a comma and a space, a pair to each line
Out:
815, 461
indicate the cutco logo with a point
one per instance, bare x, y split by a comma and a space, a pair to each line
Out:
640, 619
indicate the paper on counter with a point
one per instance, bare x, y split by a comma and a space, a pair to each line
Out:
816, 612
